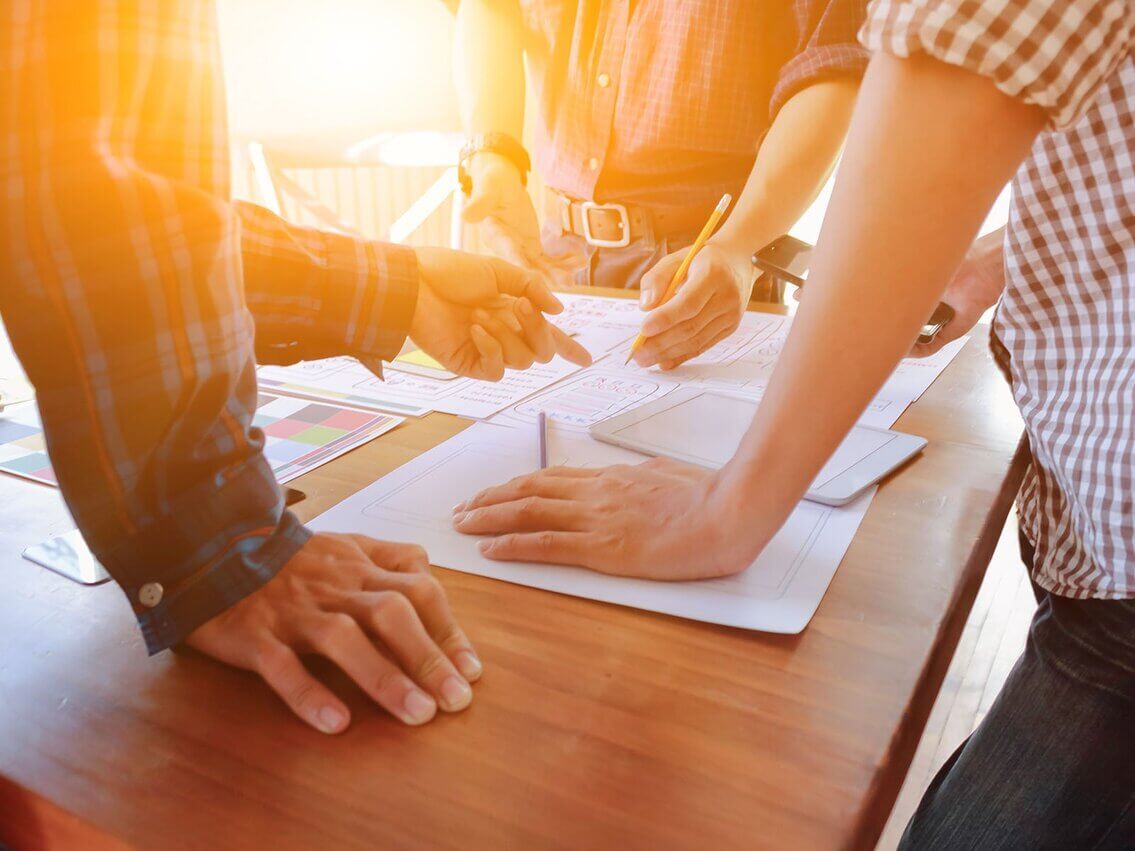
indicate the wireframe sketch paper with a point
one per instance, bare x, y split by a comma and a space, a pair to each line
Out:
778, 593
345, 380
598, 323
742, 364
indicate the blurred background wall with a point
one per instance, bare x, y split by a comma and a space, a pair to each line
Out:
351, 101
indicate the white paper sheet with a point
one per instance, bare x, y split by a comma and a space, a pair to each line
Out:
741, 364
345, 380
598, 323
778, 593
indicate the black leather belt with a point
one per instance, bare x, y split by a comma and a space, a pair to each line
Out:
614, 225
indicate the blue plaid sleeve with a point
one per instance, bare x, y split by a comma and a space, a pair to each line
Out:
316, 294
827, 46
125, 268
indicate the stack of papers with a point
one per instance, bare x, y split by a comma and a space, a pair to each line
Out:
315, 411
779, 592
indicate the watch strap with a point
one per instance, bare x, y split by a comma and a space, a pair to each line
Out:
501, 144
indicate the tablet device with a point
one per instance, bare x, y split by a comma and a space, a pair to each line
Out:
705, 427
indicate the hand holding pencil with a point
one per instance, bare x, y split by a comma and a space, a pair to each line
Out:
694, 297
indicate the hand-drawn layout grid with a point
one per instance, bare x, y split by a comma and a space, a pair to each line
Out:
585, 399
778, 593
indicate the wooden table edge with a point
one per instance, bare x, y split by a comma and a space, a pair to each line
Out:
892, 771
36, 821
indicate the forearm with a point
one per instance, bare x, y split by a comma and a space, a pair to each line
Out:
489, 66
123, 300
315, 294
794, 162
906, 206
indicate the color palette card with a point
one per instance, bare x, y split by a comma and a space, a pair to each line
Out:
299, 436
22, 449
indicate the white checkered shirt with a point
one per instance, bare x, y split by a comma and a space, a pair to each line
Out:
1067, 319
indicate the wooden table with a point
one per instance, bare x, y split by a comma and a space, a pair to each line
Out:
594, 727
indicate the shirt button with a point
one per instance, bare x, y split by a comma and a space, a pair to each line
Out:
604, 80
593, 164
150, 594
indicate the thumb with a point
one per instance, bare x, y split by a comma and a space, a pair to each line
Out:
483, 199
654, 283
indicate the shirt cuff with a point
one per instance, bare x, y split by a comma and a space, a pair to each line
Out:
367, 306
823, 62
236, 535
315, 294
1055, 55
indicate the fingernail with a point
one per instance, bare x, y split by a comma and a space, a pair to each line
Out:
469, 665
644, 298
419, 707
459, 507
459, 518
330, 719
455, 694
485, 546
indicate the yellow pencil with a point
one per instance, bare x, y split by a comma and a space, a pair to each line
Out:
680, 274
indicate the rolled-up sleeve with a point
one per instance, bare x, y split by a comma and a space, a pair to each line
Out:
1054, 54
316, 294
120, 285
826, 47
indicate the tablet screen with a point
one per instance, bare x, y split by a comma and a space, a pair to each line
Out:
707, 428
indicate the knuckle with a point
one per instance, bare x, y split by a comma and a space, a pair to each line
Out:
431, 665
426, 589
390, 682
333, 630
302, 696
268, 657
545, 541
392, 604
527, 508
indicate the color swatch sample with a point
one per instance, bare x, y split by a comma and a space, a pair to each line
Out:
299, 436
22, 449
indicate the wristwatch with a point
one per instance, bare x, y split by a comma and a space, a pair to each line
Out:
496, 143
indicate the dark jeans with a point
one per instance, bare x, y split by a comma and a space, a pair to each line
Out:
1053, 763
623, 268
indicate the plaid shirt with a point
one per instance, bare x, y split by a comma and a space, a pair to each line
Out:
1067, 320
665, 102
128, 281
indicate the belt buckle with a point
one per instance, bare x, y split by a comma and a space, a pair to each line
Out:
625, 222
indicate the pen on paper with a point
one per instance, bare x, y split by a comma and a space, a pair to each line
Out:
680, 274
542, 439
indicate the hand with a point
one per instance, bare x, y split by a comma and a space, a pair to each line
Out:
502, 207
369, 606
478, 315
659, 520
706, 309
975, 288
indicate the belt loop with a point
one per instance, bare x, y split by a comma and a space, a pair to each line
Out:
565, 212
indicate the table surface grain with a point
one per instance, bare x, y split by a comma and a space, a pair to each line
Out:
594, 726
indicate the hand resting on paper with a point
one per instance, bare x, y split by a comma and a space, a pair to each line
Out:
369, 606
659, 520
